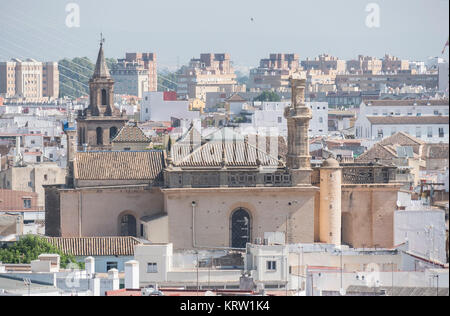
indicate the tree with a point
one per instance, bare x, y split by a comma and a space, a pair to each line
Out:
268, 96
167, 81
29, 248
75, 74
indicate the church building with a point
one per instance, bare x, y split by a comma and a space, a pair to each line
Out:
220, 192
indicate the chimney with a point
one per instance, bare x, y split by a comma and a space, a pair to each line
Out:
113, 276
90, 266
18, 157
132, 275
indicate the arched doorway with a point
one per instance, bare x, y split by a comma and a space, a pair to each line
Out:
128, 226
240, 228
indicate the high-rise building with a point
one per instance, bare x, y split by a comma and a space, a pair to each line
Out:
210, 73
131, 78
274, 73
148, 61
29, 79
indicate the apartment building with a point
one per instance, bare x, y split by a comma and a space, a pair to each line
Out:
209, 73
131, 78
325, 63
372, 82
148, 61
29, 79
424, 119
50, 80
392, 64
364, 64
274, 73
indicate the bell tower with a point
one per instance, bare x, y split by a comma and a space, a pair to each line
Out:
298, 116
100, 122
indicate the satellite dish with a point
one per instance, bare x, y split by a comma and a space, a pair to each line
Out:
209, 293
342, 291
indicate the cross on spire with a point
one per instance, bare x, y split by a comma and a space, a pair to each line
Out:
102, 39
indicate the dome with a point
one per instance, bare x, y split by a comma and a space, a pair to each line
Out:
330, 163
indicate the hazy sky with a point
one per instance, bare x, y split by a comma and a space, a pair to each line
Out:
178, 30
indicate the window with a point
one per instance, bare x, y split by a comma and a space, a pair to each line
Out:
430, 132
380, 133
152, 267
280, 119
320, 119
441, 132
99, 132
26, 203
393, 130
271, 265
418, 132
45, 177
111, 265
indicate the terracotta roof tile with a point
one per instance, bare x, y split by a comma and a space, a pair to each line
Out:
237, 154
131, 134
115, 165
95, 246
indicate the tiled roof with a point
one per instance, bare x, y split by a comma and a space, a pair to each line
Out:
378, 151
124, 165
95, 246
402, 139
436, 151
235, 98
410, 120
237, 154
407, 102
131, 134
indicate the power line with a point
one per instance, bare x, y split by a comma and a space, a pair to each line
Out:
51, 42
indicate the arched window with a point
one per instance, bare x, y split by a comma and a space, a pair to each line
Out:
112, 132
99, 136
240, 228
104, 97
128, 226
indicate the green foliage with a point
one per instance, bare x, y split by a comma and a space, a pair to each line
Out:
75, 74
268, 96
29, 248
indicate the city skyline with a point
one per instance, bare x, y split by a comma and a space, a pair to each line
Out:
40, 30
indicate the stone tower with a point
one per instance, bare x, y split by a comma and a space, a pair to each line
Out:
101, 121
71, 134
330, 202
298, 116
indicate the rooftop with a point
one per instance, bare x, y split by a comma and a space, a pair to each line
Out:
408, 120
119, 165
96, 246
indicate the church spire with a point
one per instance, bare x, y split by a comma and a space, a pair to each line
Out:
101, 69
